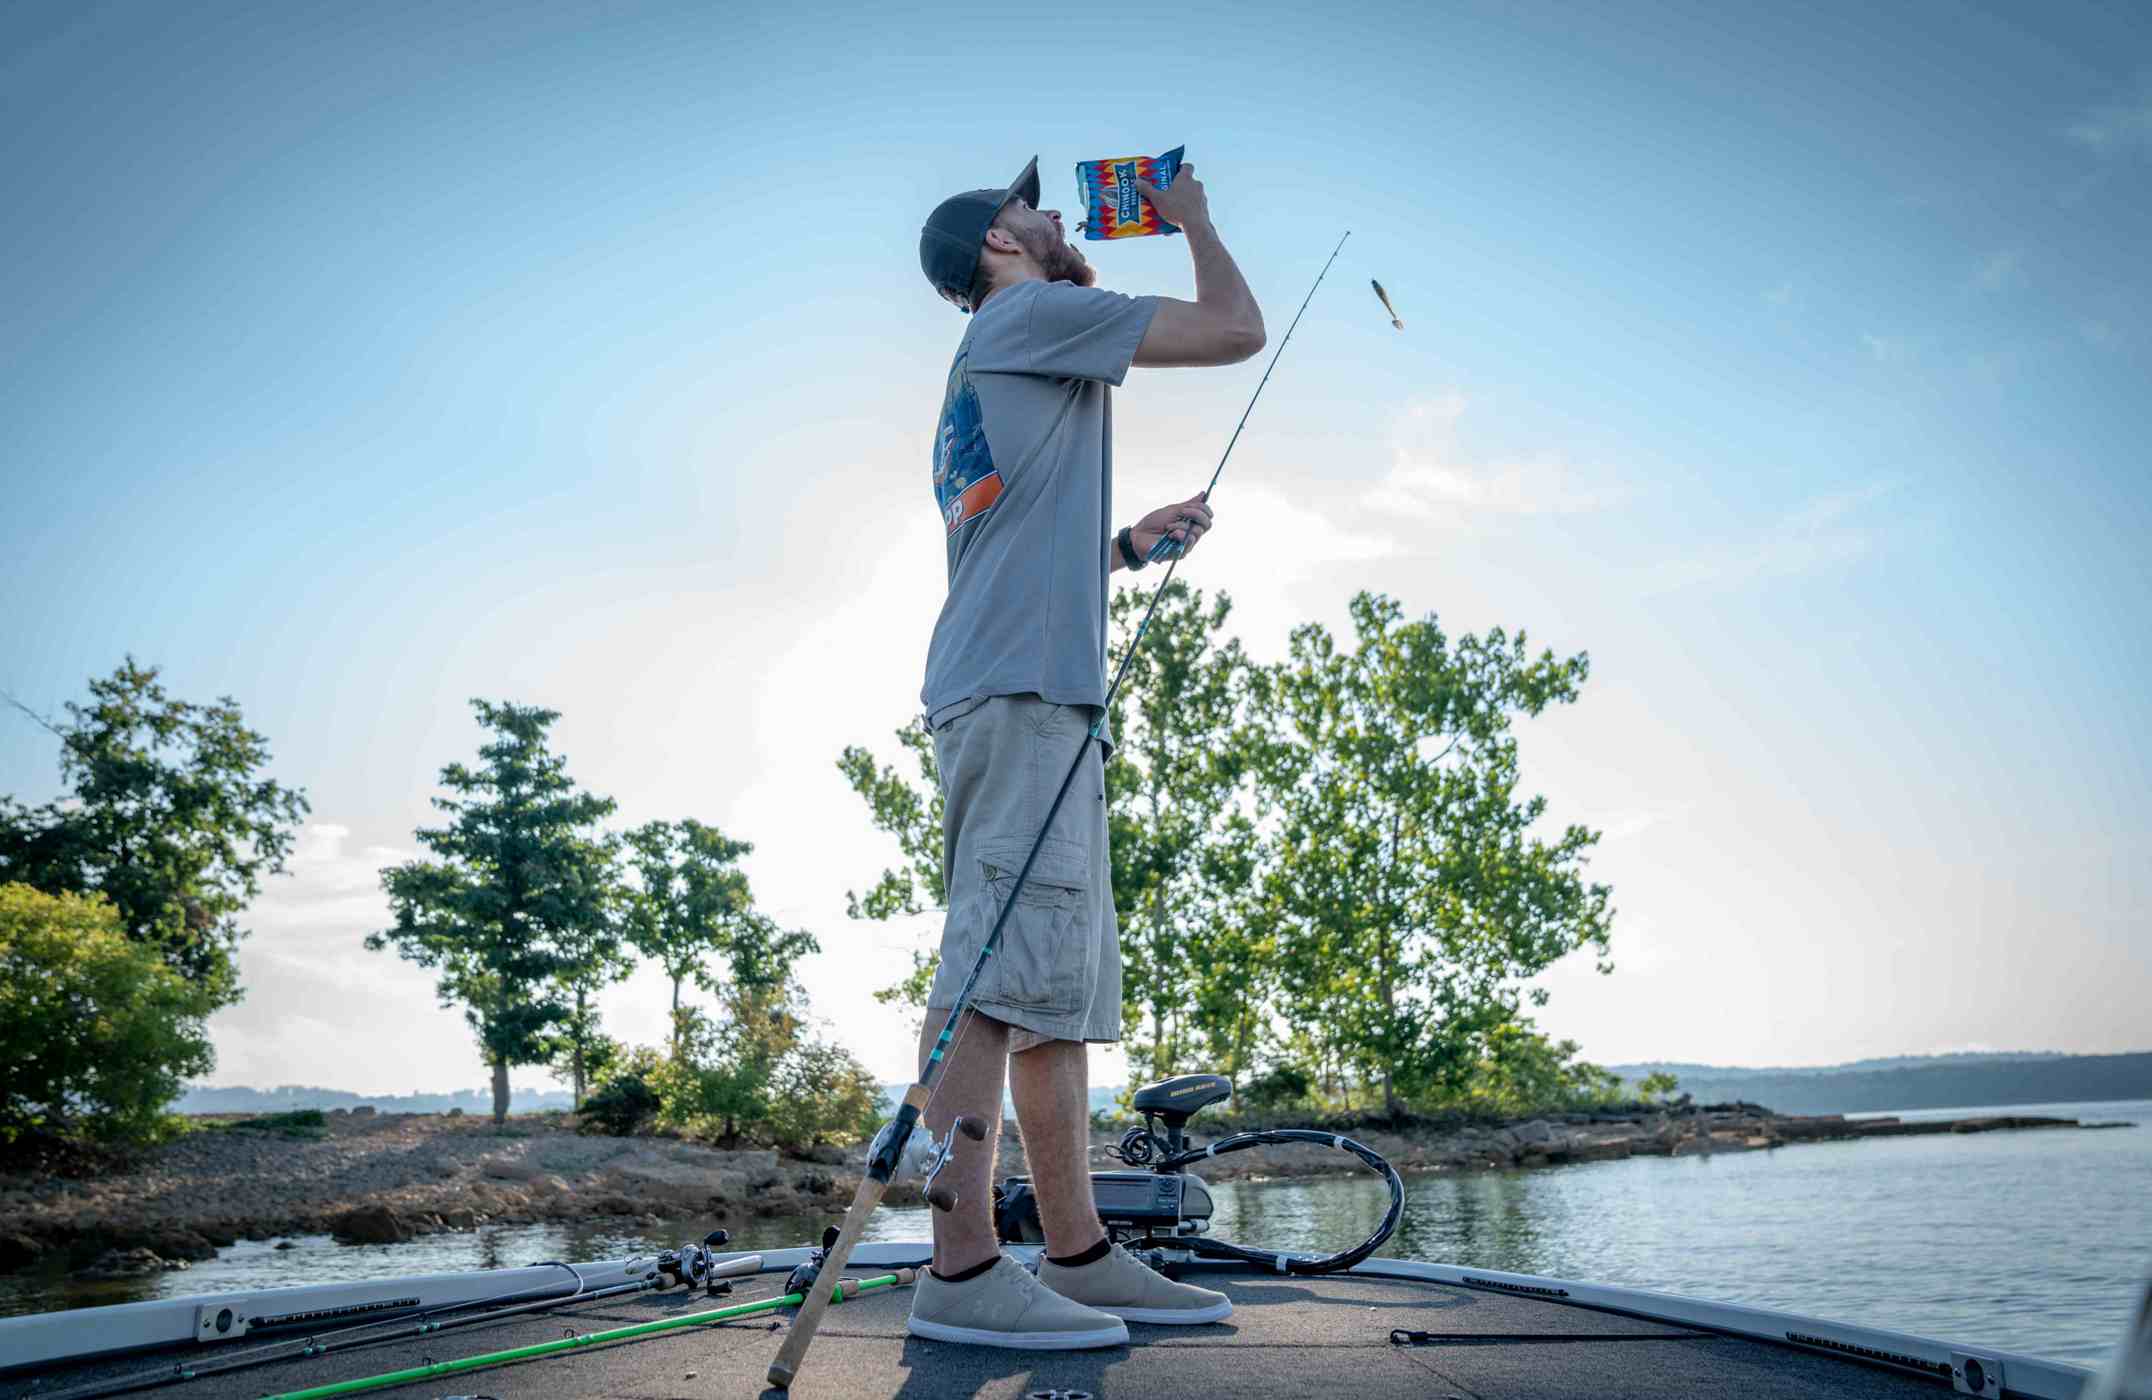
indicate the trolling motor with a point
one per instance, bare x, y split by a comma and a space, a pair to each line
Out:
1163, 1214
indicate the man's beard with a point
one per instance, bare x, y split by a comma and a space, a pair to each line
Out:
1059, 261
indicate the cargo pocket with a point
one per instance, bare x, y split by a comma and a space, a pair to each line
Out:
1044, 962
943, 717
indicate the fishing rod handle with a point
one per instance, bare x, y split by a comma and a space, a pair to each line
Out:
869, 1195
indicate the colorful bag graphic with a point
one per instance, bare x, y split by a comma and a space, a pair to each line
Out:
1113, 206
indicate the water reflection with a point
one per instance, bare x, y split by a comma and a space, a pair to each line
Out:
1877, 1231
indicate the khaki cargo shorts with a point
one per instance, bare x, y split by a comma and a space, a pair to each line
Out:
1056, 974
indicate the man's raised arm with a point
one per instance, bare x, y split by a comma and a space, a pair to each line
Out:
1223, 325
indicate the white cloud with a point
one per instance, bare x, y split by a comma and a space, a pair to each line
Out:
325, 888
313, 991
1999, 269
1886, 349
1626, 822
1992, 367
1428, 482
2100, 333
1820, 532
2115, 128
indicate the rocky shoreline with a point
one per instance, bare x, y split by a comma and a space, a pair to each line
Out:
381, 1178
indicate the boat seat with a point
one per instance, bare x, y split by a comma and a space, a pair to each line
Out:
1182, 1095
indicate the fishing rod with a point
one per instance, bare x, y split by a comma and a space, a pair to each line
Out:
850, 1288
691, 1265
889, 1148
1168, 547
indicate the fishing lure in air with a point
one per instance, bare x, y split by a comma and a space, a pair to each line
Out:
1386, 303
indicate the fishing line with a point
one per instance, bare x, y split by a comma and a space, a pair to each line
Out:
1160, 550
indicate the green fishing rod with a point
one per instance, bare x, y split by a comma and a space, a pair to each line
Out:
888, 1151
841, 1292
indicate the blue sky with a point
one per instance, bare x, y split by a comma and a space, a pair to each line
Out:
1792, 362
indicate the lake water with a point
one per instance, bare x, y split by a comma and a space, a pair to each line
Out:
2026, 1241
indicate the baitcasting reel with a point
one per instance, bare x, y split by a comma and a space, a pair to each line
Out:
924, 1156
803, 1276
693, 1264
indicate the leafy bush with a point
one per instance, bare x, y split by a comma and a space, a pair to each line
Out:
822, 1094
627, 1101
717, 1084
1521, 1071
1281, 1086
97, 1033
752, 1076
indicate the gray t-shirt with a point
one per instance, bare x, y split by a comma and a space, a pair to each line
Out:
1023, 474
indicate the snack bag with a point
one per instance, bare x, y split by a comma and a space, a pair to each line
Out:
1113, 207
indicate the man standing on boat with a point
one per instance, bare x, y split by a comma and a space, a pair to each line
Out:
1016, 674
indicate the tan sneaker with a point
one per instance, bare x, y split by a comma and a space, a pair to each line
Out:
1007, 1307
1125, 1286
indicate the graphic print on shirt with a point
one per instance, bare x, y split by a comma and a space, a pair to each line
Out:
966, 485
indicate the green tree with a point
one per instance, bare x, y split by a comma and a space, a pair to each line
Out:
580, 1047
691, 897
96, 1030
1657, 1086
1231, 961
821, 1093
760, 957
1169, 787
522, 885
1177, 846
720, 1079
1521, 1071
754, 1073
913, 815
169, 817
1413, 900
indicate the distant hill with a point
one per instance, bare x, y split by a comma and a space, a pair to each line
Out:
1850, 1067
1862, 1086
1916, 1081
202, 1098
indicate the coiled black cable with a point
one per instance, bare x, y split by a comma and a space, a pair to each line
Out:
1149, 1148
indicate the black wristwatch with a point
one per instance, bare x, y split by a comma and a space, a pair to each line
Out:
1127, 542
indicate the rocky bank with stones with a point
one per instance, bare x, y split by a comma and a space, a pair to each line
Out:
380, 1178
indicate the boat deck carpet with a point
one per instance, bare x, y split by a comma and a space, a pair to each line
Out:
1290, 1338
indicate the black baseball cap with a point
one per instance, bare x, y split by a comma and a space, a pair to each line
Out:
956, 230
